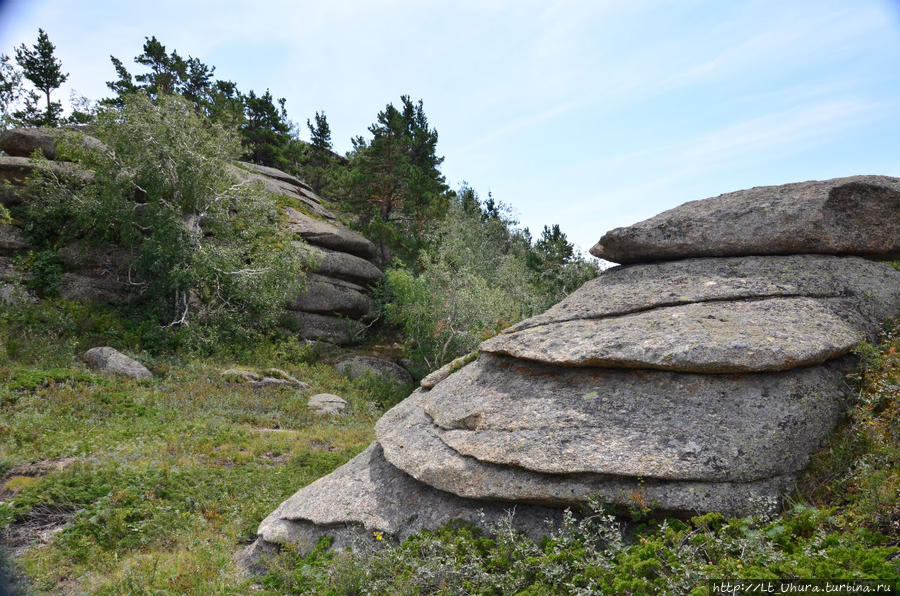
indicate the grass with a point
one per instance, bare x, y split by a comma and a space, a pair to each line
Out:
121, 486
167, 477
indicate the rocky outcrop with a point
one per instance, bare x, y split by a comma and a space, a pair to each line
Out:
341, 270
340, 274
702, 383
846, 216
109, 360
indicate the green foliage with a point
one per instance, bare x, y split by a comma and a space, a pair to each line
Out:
44, 71
265, 130
476, 276
393, 184
10, 90
46, 270
202, 245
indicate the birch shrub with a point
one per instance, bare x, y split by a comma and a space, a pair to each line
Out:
204, 247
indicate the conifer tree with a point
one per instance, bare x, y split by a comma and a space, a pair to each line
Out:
44, 70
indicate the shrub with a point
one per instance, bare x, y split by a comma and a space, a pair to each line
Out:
204, 246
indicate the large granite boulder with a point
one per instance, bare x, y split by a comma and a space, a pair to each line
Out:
848, 216
341, 265
327, 328
691, 385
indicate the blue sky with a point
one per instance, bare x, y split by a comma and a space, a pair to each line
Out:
589, 114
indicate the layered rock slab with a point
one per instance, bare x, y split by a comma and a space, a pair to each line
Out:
368, 494
648, 424
412, 442
708, 337
873, 287
858, 215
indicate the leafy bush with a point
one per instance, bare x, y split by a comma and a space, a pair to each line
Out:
479, 275
203, 246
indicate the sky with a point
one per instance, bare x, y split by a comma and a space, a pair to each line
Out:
588, 114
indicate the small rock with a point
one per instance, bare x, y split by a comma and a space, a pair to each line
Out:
109, 360
277, 373
327, 403
239, 375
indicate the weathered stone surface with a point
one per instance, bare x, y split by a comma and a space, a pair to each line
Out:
341, 265
333, 236
15, 170
93, 286
709, 337
359, 366
110, 360
332, 296
11, 239
273, 173
335, 330
623, 290
445, 371
277, 373
859, 215
652, 424
327, 403
22, 142
368, 494
412, 443
281, 187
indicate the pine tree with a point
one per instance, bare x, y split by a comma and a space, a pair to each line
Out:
44, 70
320, 134
265, 131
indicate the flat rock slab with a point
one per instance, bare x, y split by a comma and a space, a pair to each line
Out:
412, 443
328, 296
859, 215
328, 235
318, 327
109, 360
708, 337
360, 366
635, 288
367, 494
652, 424
341, 265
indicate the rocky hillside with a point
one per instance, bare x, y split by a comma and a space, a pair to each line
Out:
338, 282
698, 378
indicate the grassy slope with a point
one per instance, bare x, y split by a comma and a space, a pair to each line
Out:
167, 477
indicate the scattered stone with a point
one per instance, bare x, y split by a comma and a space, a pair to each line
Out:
327, 403
360, 366
277, 373
109, 360
859, 215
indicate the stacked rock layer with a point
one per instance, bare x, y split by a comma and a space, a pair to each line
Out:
337, 289
700, 378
